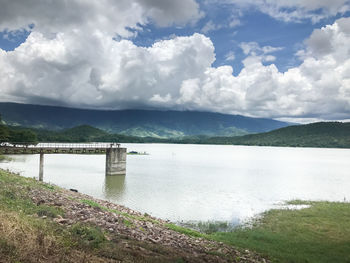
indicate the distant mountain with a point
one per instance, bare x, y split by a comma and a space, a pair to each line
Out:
141, 123
320, 134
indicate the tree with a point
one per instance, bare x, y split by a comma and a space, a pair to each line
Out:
4, 134
23, 137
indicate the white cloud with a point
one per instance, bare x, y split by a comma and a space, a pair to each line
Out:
167, 12
210, 26
230, 56
234, 22
269, 58
85, 67
108, 16
96, 71
318, 88
254, 49
294, 11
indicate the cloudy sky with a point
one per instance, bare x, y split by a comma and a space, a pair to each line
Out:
283, 59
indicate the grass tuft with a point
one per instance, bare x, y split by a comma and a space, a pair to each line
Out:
128, 223
320, 233
48, 211
186, 231
91, 237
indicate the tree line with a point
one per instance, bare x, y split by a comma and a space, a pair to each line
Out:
23, 136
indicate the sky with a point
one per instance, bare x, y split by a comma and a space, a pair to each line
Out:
281, 59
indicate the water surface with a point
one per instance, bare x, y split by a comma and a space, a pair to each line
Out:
201, 182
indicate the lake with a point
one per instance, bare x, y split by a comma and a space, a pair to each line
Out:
201, 182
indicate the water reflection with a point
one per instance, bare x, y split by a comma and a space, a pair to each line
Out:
114, 187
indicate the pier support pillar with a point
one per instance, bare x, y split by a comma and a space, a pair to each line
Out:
41, 167
116, 161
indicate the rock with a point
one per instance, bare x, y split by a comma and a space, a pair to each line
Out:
73, 190
152, 240
61, 220
141, 230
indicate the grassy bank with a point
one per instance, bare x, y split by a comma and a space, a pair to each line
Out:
40, 222
320, 233
21, 220
61, 226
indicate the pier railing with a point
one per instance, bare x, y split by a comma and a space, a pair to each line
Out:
78, 148
115, 155
100, 145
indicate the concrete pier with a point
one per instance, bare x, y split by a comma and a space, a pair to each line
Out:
41, 167
115, 156
115, 161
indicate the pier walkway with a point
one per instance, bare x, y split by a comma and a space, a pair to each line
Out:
115, 155
47, 148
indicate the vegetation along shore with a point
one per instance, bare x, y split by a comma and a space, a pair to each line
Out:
59, 225
64, 226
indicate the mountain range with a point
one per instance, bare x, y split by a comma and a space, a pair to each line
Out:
141, 123
319, 134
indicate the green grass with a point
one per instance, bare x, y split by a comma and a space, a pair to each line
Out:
88, 236
319, 234
209, 227
128, 223
94, 204
91, 203
14, 198
27, 236
186, 231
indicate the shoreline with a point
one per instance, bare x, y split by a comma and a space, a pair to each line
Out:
60, 225
120, 226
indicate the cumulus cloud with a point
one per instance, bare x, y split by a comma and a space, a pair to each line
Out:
167, 12
108, 16
319, 87
85, 67
100, 71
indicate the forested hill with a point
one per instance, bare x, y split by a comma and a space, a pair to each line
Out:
141, 123
320, 134
323, 134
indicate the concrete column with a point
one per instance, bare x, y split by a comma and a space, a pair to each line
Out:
41, 167
116, 161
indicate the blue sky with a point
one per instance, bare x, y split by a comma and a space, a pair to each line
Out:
264, 58
254, 27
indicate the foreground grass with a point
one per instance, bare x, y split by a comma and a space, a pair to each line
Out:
28, 232
320, 233
45, 241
